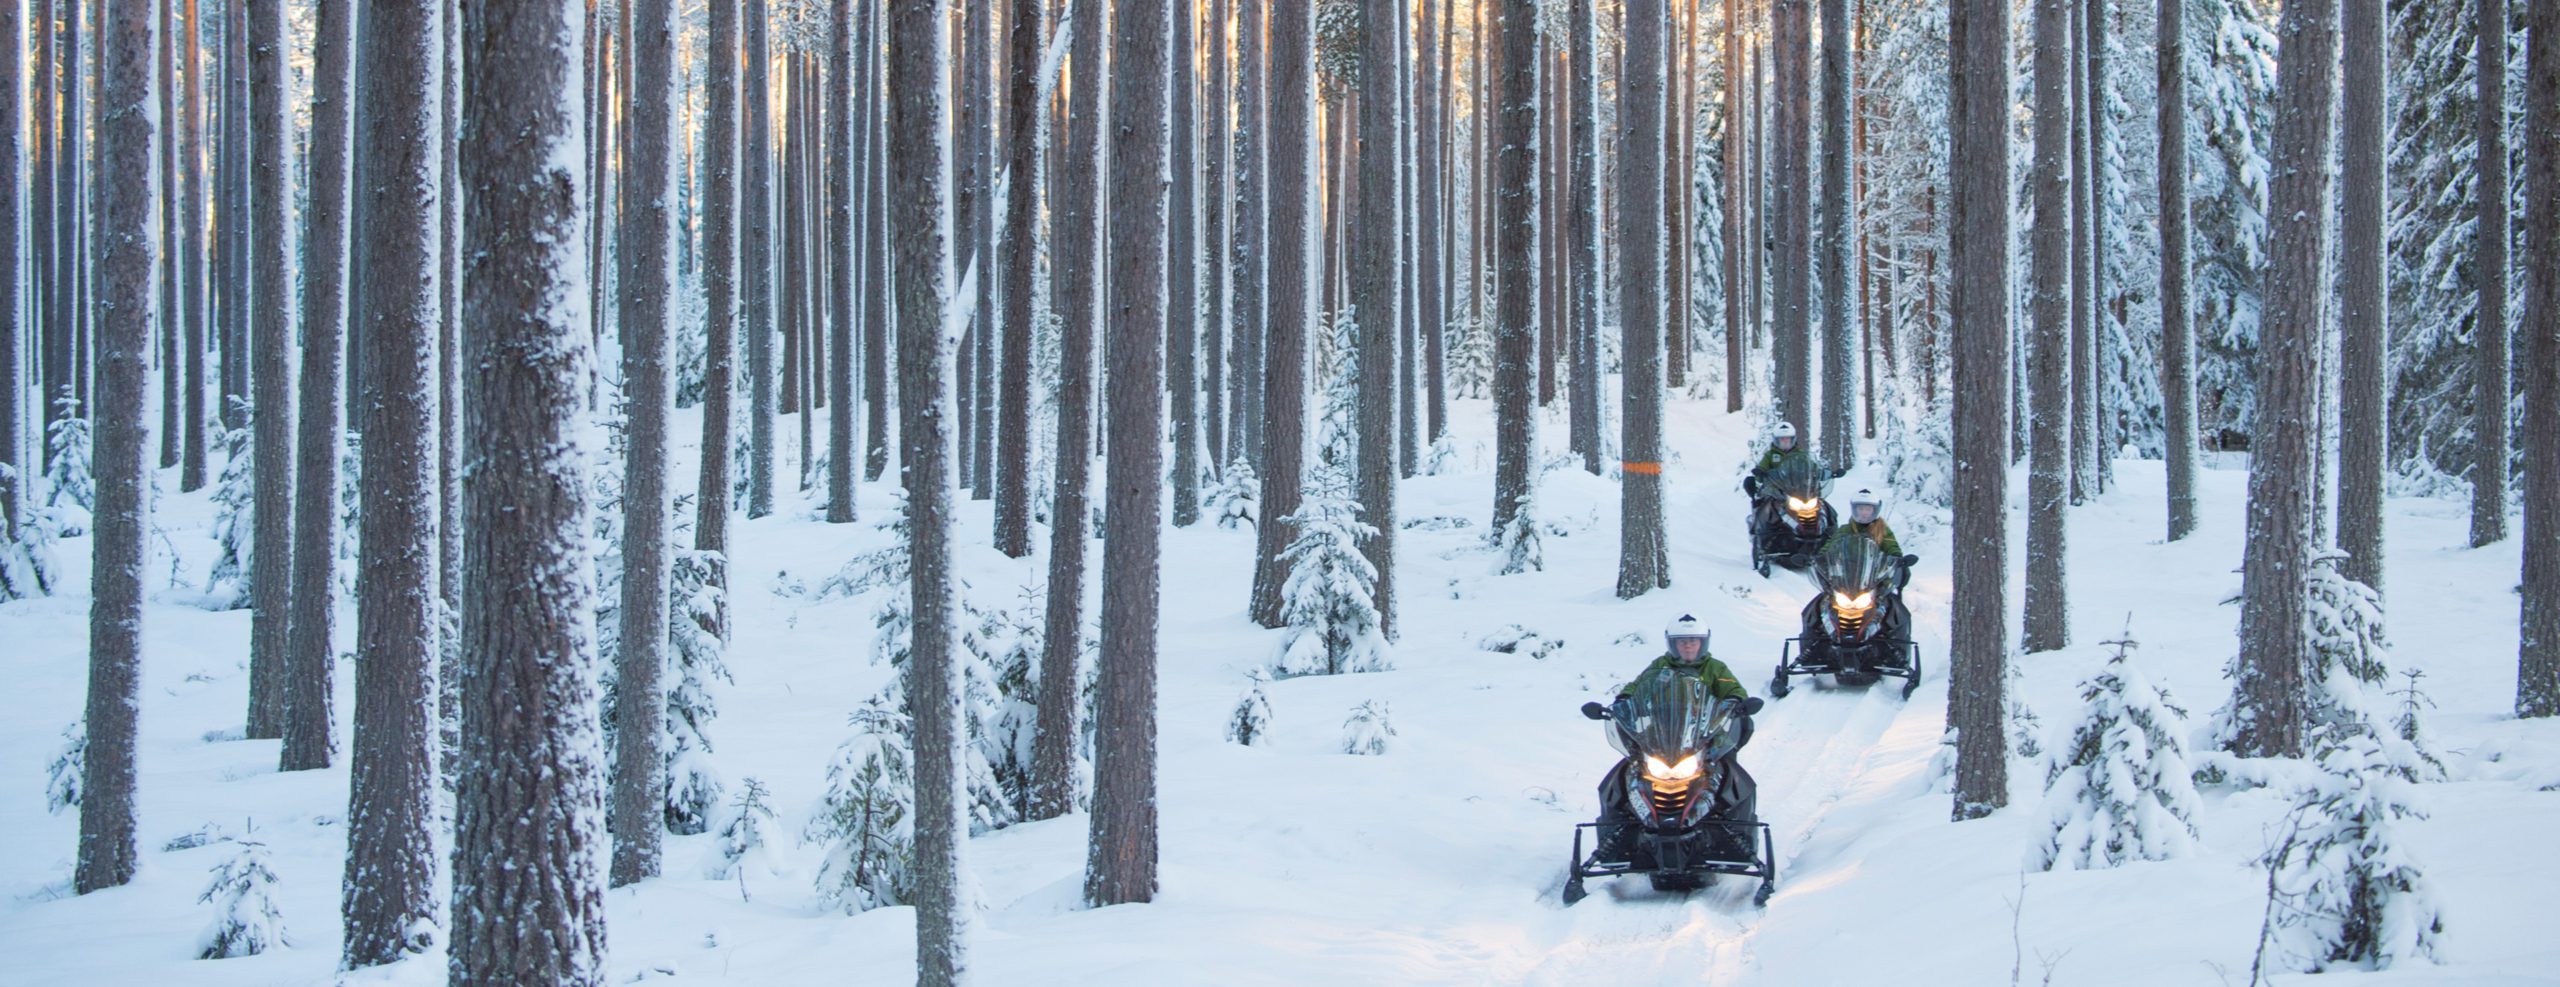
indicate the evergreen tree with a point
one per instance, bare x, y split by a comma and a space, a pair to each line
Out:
1366, 731
865, 820
746, 838
1250, 724
2121, 790
2345, 893
246, 919
1331, 622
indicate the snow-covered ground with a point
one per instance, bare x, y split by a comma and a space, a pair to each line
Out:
1438, 862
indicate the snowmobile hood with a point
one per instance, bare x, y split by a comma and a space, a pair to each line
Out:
1673, 717
1851, 566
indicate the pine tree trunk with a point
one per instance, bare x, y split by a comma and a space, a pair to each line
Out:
1430, 170
720, 244
2491, 388
1409, 263
1552, 261
2096, 447
876, 356
528, 901
1792, 212
2363, 405
2276, 558
756, 262
14, 155
41, 211
1978, 619
310, 656
2177, 334
126, 129
1181, 275
1643, 558
2048, 607
165, 97
2082, 406
1077, 238
1839, 338
1247, 263
449, 369
394, 839
1581, 233
2538, 662
1120, 866
648, 281
1515, 163
271, 351
241, 110
1217, 146
918, 165
190, 216
842, 153
1021, 250
1374, 269
1282, 415
1675, 248
1736, 289
982, 245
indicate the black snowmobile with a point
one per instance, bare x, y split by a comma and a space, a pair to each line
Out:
1857, 629
1677, 807
1789, 515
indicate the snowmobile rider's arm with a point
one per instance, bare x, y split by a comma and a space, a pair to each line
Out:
1720, 681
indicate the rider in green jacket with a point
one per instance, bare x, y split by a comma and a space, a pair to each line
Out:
1687, 640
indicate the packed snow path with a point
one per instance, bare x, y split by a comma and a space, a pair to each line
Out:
1437, 863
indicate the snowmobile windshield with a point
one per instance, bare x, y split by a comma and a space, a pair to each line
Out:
1673, 718
1798, 477
1851, 564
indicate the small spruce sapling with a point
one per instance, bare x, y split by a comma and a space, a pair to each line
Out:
69, 474
746, 839
865, 820
2343, 893
246, 921
1250, 725
1517, 544
693, 782
26, 553
62, 777
1327, 607
1367, 730
1235, 501
2120, 790
234, 517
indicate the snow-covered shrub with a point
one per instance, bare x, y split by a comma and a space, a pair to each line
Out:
2351, 672
1337, 425
1517, 544
746, 838
2120, 790
1367, 730
235, 518
69, 475
1328, 606
1441, 457
26, 548
865, 820
1470, 358
62, 777
1010, 642
1514, 639
246, 921
1235, 501
2342, 892
350, 512
693, 784
1250, 724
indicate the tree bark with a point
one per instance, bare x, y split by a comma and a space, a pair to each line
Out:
2177, 335
126, 129
1515, 164
1978, 619
1281, 420
842, 154
1431, 168
1839, 320
1021, 248
166, 154
1643, 557
393, 834
2538, 661
2276, 559
310, 656
756, 267
1581, 232
1181, 276
1792, 212
1247, 263
14, 155
1736, 289
2049, 363
648, 282
2096, 448
876, 357
2490, 380
271, 351
1375, 268
528, 902
1217, 148
190, 216
2362, 318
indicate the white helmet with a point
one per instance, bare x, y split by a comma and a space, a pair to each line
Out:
1686, 626
1865, 498
1785, 430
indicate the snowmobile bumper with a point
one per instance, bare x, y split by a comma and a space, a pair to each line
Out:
1711, 847
1859, 665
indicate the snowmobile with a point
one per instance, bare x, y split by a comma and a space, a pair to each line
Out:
1677, 807
1789, 517
1856, 630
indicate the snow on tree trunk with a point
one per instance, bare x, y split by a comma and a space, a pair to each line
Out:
1515, 163
720, 235
1839, 318
2538, 661
841, 243
270, 352
528, 894
310, 655
1581, 235
246, 919
1021, 252
2121, 790
395, 852
2276, 559
2177, 334
1978, 624
2049, 359
756, 268
1281, 419
2490, 389
127, 312
1375, 237
1644, 562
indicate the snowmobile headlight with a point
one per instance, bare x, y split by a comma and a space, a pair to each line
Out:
1683, 771
1804, 508
1852, 607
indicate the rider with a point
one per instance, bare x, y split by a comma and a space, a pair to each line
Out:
1782, 446
1866, 520
1686, 640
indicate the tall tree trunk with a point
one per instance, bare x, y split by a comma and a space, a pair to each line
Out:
1373, 287
1431, 221
241, 110
2538, 661
1282, 415
918, 166
393, 833
1839, 336
2096, 448
1182, 268
126, 129
166, 163
310, 656
1643, 557
14, 156
2490, 381
2083, 407
1247, 261
1978, 619
449, 370
1551, 259
756, 265
2362, 317
720, 245
1514, 335
1581, 232
1793, 212
875, 296
2048, 608
191, 237
1120, 866
1021, 268
1736, 289
42, 213
1675, 248
271, 351
648, 283
1409, 262
1078, 237
528, 901
1218, 148
1761, 301
2177, 335
2276, 558
982, 245
842, 65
